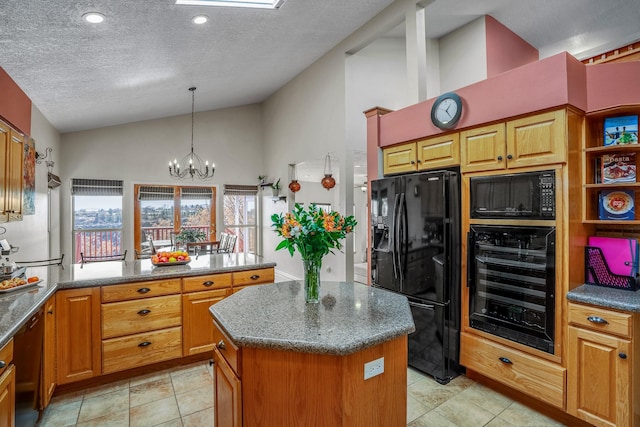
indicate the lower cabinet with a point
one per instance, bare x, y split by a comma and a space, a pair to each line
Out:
48, 382
7, 386
78, 350
519, 370
227, 391
8, 397
197, 322
603, 378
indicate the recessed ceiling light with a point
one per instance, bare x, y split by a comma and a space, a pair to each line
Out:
258, 4
93, 17
199, 19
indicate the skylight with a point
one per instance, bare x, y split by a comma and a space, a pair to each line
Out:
256, 4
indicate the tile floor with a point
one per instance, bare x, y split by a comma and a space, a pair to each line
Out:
184, 397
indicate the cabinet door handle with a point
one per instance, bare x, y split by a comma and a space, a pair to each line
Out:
50, 312
622, 355
144, 344
144, 312
2, 364
509, 157
419, 161
505, 360
255, 277
413, 162
597, 319
143, 290
499, 158
221, 345
208, 283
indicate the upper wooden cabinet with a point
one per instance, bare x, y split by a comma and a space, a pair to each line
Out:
438, 152
529, 141
11, 164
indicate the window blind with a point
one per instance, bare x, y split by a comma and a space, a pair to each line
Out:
196, 193
96, 187
155, 193
240, 190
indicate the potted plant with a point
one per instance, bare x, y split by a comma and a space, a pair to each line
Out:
190, 235
275, 187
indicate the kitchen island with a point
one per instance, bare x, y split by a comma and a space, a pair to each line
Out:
341, 362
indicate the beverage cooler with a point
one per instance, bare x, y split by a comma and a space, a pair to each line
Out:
511, 281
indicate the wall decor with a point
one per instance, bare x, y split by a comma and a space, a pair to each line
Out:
29, 178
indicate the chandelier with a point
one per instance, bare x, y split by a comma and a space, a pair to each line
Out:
195, 168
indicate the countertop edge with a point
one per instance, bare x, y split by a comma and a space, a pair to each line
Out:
7, 336
617, 299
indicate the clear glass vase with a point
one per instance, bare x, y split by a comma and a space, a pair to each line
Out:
312, 279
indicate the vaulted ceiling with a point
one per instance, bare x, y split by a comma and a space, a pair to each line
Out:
138, 64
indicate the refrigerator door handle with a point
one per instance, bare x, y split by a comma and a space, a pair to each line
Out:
402, 236
393, 236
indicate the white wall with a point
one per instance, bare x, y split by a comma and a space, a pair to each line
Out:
139, 153
31, 234
463, 56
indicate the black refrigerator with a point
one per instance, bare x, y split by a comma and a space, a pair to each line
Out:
415, 252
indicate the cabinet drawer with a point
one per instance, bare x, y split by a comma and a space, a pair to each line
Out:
204, 283
119, 354
6, 356
139, 290
600, 319
227, 348
253, 277
535, 377
130, 317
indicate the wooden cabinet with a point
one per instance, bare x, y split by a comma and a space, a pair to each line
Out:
78, 334
8, 397
141, 328
11, 165
227, 387
252, 277
7, 386
603, 378
48, 383
594, 150
200, 293
529, 141
536, 377
432, 153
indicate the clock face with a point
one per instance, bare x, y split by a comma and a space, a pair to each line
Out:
446, 110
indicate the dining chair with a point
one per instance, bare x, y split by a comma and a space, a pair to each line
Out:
203, 247
143, 254
229, 244
223, 241
85, 259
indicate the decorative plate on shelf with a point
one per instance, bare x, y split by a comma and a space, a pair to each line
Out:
618, 202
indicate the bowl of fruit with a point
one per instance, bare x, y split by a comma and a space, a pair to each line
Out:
171, 258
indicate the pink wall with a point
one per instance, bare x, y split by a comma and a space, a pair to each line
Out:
551, 82
611, 85
505, 49
15, 105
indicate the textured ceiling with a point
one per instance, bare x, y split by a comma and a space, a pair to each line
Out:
138, 64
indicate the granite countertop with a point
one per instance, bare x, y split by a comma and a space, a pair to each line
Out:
601, 296
350, 317
18, 306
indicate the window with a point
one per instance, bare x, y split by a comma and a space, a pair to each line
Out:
240, 216
97, 217
161, 211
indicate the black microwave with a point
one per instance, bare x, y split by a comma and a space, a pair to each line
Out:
528, 195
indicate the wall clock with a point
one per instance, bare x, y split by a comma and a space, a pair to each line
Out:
446, 110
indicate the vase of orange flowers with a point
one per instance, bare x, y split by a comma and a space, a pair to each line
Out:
314, 233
